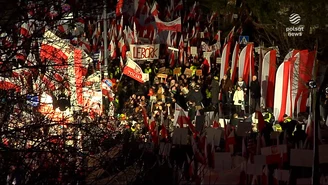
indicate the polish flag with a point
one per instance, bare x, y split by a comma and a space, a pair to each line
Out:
174, 25
294, 87
225, 60
207, 64
217, 37
133, 70
119, 7
112, 50
120, 27
26, 30
123, 47
230, 35
234, 62
304, 74
154, 9
172, 59
308, 74
268, 78
181, 50
282, 104
182, 119
246, 63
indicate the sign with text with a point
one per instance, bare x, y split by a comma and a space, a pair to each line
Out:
188, 72
144, 52
177, 71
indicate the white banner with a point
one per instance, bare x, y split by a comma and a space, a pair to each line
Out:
144, 52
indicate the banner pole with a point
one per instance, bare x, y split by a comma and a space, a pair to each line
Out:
105, 40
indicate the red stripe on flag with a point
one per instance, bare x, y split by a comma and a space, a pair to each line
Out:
271, 79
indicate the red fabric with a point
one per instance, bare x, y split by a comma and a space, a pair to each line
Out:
248, 62
271, 79
235, 63
119, 7
57, 55
307, 77
287, 65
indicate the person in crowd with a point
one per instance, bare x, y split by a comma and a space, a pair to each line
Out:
238, 99
255, 90
234, 120
215, 89
299, 135
241, 83
268, 116
226, 89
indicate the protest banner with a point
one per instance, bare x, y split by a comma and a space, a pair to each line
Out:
177, 71
144, 52
188, 72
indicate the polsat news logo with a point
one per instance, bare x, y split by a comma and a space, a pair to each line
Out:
296, 30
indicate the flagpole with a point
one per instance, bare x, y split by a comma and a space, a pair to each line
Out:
105, 40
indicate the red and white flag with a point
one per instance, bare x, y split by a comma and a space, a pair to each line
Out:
282, 103
246, 63
154, 9
268, 78
234, 62
119, 7
174, 25
225, 60
133, 70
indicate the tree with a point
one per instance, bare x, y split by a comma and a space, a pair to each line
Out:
266, 21
36, 148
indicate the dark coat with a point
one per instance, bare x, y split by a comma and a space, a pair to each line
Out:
196, 97
255, 89
226, 85
215, 90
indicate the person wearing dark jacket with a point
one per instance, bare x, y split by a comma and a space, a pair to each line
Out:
226, 89
299, 135
215, 90
255, 90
